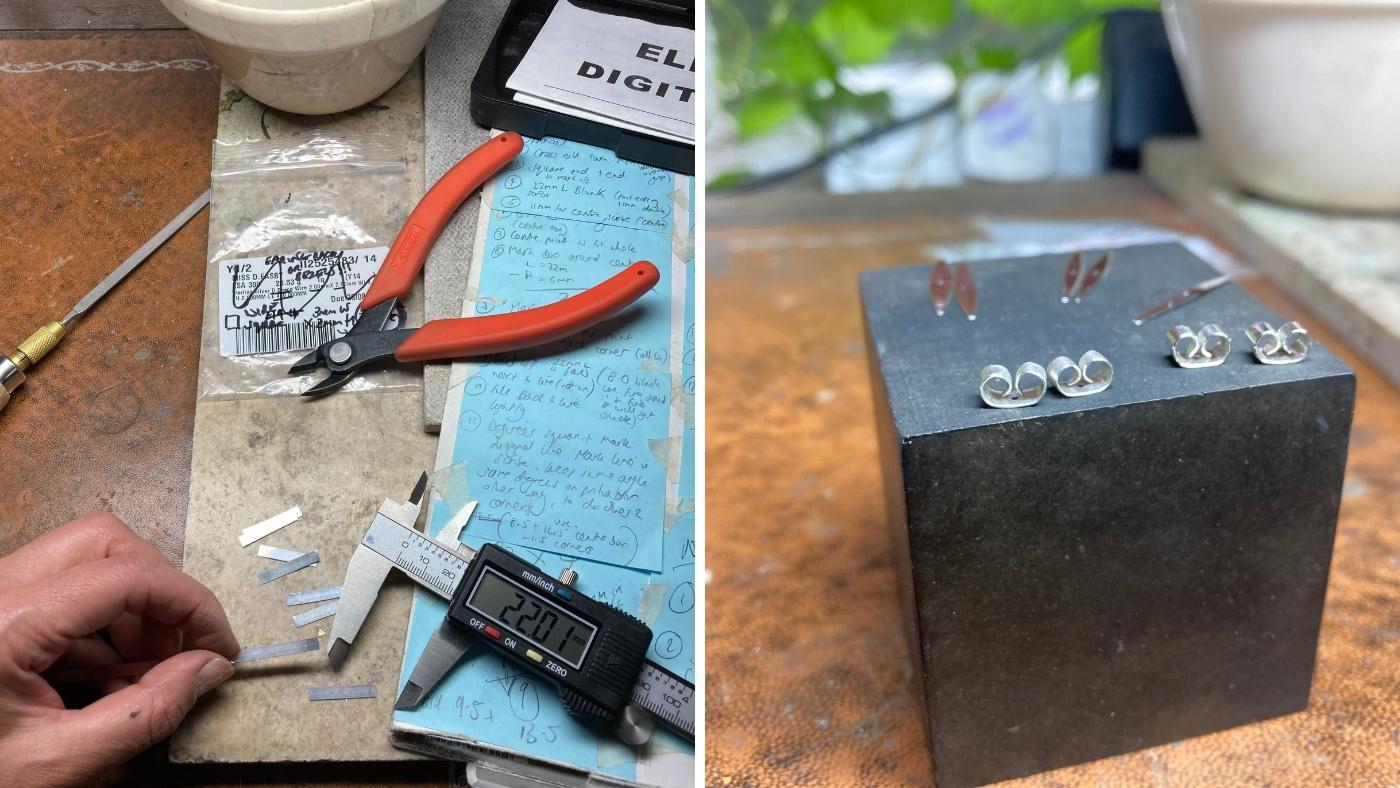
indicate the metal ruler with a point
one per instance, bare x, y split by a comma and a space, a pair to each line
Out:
667, 696
437, 568
430, 564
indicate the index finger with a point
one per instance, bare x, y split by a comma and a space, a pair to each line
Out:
91, 538
81, 600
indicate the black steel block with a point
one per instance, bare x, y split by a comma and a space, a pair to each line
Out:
1091, 576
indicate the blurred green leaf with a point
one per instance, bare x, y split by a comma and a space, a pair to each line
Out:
874, 106
790, 53
929, 14
1044, 13
1082, 49
1028, 13
846, 29
996, 58
764, 110
728, 180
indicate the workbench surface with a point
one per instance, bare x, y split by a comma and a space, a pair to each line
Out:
106, 135
808, 678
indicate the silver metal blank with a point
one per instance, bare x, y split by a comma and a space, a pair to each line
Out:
350, 692
1287, 344
1091, 375
278, 650
286, 568
314, 595
1197, 349
1000, 390
315, 614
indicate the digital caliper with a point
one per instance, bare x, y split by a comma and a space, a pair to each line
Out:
593, 652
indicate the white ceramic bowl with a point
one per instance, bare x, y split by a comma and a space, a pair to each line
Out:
1298, 100
311, 56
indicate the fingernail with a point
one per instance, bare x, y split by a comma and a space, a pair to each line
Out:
215, 672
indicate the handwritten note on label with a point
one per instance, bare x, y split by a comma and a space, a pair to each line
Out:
565, 180
292, 301
557, 442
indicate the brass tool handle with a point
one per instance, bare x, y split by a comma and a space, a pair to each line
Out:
38, 344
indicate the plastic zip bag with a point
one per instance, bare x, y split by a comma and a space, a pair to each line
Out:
294, 228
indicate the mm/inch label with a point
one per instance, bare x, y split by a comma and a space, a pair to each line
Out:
433, 566
667, 696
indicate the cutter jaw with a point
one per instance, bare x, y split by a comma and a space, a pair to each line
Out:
365, 343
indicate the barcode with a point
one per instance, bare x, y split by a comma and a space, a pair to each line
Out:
292, 336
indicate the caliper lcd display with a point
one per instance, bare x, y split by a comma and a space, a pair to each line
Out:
527, 615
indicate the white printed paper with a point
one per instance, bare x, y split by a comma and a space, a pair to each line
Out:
637, 72
294, 301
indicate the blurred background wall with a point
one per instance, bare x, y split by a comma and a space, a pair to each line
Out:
883, 95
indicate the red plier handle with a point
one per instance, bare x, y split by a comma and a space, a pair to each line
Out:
368, 342
425, 223
483, 335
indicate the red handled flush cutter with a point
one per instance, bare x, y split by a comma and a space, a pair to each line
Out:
368, 341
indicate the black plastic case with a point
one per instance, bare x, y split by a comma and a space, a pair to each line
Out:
494, 105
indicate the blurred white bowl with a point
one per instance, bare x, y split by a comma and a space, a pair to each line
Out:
1298, 100
311, 56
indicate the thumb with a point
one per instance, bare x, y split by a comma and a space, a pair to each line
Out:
131, 720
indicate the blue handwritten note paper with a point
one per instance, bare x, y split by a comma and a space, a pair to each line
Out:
560, 446
579, 455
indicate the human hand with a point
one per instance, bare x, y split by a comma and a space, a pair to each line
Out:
56, 594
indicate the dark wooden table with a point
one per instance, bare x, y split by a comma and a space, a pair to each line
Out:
808, 682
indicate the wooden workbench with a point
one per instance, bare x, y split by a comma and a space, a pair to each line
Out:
808, 678
106, 135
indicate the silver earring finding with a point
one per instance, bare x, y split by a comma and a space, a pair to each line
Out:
1287, 344
1000, 390
1197, 349
1091, 375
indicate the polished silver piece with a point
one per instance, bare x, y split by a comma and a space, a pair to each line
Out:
1090, 375
1287, 344
568, 577
1198, 349
1000, 390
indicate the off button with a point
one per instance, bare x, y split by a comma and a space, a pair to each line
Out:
534, 655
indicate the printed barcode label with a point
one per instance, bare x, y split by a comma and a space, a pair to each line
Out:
294, 301
288, 336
